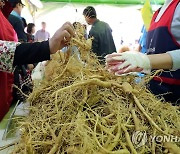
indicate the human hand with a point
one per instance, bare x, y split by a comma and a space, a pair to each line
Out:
123, 49
131, 61
30, 67
61, 37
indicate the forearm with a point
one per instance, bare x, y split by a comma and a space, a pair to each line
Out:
28, 53
161, 61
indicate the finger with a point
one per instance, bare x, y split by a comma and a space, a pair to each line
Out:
137, 69
68, 24
66, 35
123, 65
118, 58
122, 71
113, 55
113, 67
69, 28
112, 63
128, 70
109, 65
109, 55
117, 67
115, 60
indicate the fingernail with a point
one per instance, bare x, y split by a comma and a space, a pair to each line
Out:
117, 74
116, 58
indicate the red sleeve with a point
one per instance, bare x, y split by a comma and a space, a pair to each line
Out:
7, 9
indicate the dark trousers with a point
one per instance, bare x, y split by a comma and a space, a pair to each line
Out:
171, 93
22, 79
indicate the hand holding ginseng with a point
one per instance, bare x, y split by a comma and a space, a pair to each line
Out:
130, 61
61, 37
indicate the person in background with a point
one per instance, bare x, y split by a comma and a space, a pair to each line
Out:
13, 53
30, 32
42, 35
163, 49
22, 77
16, 20
103, 42
30, 39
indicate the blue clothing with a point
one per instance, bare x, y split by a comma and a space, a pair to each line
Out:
16, 14
142, 40
18, 25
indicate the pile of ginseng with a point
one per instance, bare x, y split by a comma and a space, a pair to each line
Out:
81, 108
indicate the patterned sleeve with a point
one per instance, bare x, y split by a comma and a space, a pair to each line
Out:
7, 50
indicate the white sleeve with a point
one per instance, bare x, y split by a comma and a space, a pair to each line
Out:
175, 55
175, 25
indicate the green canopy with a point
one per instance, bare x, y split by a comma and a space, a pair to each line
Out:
108, 1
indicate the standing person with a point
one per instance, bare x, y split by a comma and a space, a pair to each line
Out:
30, 39
6, 79
42, 35
17, 21
103, 42
163, 41
13, 53
22, 77
30, 32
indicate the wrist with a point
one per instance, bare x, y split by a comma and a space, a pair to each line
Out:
147, 62
51, 46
